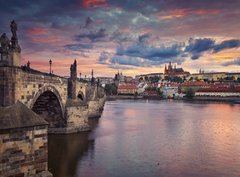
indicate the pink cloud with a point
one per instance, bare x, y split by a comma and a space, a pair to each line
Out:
94, 3
37, 31
179, 13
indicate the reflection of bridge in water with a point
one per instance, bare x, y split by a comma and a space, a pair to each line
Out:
68, 150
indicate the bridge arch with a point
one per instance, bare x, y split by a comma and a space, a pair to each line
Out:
47, 102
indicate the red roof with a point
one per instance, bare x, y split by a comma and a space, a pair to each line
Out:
219, 89
127, 87
196, 83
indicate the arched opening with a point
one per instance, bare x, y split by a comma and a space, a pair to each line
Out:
48, 106
80, 96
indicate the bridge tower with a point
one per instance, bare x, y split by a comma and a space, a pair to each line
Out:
10, 53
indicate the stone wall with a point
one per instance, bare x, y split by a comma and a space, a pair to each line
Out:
24, 152
9, 80
23, 142
95, 107
76, 116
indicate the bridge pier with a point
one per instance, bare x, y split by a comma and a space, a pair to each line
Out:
96, 107
76, 118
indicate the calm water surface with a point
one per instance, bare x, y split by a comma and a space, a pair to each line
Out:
152, 139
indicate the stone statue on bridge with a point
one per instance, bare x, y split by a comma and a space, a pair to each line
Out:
14, 29
5, 43
14, 40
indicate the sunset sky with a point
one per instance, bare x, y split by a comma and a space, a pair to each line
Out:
132, 36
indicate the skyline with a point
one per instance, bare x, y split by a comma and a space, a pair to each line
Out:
135, 37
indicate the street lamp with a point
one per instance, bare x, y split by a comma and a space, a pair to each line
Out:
28, 64
50, 64
80, 75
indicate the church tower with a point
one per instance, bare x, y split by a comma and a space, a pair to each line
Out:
165, 69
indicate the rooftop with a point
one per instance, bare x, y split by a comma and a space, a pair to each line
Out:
18, 115
127, 87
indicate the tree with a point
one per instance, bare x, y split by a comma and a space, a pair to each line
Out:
159, 92
154, 79
189, 93
110, 89
146, 78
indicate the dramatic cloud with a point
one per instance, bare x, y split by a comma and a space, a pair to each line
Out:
141, 54
226, 45
135, 33
234, 62
197, 46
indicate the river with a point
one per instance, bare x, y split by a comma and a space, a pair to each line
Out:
141, 138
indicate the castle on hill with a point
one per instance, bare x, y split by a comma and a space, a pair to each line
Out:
173, 70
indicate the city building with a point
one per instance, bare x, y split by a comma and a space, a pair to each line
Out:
219, 92
214, 76
105, 80
195, 85
127, 89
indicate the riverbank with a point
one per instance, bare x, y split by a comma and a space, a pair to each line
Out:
235, 100
221, 99
116, 97
134, 97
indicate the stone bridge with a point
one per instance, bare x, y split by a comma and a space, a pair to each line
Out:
65, 103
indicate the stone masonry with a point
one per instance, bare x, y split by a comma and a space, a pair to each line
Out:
23, 143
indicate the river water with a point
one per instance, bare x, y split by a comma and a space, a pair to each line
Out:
152, 139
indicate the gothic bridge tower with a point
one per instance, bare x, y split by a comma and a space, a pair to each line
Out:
10, 52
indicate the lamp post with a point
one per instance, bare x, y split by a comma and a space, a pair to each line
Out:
28, 64
50, 64
80, 76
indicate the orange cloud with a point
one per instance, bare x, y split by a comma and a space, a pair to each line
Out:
94, 3
179, 13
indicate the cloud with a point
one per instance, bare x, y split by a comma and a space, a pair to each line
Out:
78, 47
142, 54
94, 3
234, 62
143, 38
197, 46
226, 45
93, 36
89, 21
150, 52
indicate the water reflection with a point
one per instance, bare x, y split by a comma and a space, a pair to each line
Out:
152, 138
